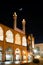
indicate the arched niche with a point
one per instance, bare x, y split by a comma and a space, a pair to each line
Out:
9, 36
1, 34
17, 55
9, 54
18, 39
24, 56
24, 42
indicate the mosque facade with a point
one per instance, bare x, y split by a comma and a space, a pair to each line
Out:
13, 43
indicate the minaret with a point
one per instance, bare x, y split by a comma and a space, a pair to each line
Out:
15, 19
23, 23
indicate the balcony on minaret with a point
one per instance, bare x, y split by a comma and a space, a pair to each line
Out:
15, 19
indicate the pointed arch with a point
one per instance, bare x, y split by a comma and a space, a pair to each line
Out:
24, 56
9, 54
18, 39
24, 42
9, 36
1, 34
17, 50
17, 55
9, 49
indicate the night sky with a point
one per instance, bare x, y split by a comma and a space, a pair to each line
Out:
33, 14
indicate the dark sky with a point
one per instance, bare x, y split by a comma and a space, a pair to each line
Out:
33, 14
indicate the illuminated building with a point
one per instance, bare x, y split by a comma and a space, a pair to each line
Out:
39, 48
13, 43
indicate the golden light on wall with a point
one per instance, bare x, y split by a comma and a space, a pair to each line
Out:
18, 39
24, 55
1, 34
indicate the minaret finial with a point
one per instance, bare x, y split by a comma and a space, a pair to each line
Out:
15, 19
